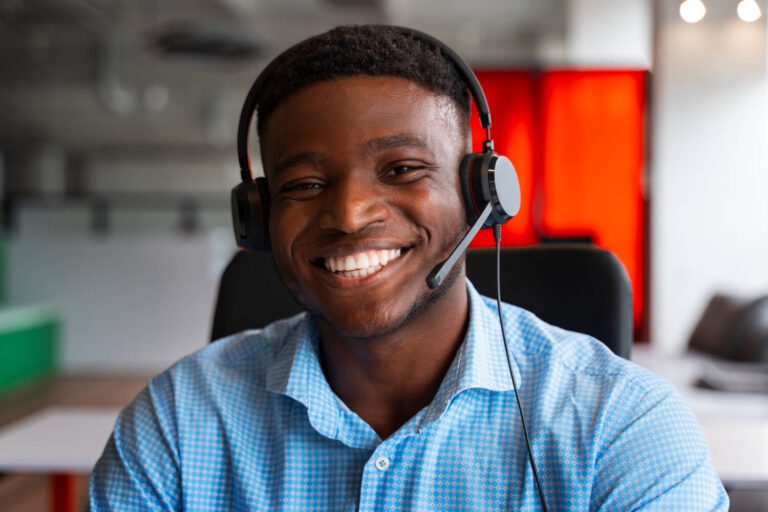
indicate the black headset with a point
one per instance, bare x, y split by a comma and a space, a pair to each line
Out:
489, 182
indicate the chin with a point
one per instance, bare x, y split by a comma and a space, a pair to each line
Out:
358, 318
358, 332
364, 326
375, 322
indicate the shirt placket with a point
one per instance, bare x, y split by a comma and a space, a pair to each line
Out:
376, 472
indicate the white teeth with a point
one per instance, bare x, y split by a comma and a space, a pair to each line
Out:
361, 264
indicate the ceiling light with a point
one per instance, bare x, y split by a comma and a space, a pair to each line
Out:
748, 10
693, 11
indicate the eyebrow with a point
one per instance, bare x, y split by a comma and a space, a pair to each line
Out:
392, 142
307, 157
371, 146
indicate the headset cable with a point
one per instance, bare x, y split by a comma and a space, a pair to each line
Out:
497, 238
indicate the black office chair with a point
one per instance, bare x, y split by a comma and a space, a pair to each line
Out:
577, 287
574, 286
250, 296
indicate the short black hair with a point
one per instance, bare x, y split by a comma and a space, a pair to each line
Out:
372, 50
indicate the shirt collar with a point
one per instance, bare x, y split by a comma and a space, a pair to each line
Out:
479, 363
296, 372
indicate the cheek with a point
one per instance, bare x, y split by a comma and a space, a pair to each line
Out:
285, 226
287, 219
440, 208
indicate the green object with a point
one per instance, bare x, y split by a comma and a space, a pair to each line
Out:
28, 346
2, 269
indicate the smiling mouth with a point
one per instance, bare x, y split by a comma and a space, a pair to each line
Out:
360, 264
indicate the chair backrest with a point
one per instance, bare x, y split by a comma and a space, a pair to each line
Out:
250, 296
574, 286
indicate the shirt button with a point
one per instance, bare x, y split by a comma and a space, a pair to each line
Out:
382, 463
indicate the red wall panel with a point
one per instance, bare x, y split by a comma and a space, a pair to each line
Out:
577, 140
593, 131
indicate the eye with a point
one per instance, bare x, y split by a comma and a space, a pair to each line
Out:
303, 186
406, 171
301, 190
403, 169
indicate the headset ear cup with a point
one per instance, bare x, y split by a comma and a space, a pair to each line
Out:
250, 215
504, 188
489, 177
472, 209
264, 205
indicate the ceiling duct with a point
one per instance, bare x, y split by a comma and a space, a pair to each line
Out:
205, 40
372, 4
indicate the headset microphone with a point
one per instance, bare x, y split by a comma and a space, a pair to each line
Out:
438, 274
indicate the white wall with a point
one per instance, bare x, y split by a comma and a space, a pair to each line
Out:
141, 296
709, 176
609, 33
163, 173
128, 302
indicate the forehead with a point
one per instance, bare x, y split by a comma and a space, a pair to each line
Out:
352, 110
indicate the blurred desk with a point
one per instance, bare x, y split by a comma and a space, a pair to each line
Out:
61, 395
735, 424
58, 441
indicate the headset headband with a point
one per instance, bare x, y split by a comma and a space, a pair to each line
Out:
250, 104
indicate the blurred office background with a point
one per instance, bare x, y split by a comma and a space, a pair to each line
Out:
631, 127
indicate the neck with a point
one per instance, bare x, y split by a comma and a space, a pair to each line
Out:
386, 380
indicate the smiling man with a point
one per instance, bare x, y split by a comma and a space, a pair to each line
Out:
386, 394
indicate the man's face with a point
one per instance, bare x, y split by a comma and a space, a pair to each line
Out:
363, 176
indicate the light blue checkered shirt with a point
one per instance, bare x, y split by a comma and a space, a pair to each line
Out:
250, 423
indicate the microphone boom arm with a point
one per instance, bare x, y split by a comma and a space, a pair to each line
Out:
441, 271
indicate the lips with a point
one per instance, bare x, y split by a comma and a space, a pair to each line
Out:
361, 264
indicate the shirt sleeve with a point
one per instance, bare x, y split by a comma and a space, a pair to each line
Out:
139, 468
655, 457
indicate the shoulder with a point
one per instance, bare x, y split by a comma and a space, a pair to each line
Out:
636, 436
569, 355
225, 378
232, 367
566, 375
254, 350
175, 422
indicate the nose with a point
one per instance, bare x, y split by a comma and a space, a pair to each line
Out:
352, 205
